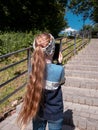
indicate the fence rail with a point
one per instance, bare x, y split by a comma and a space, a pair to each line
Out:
82, 41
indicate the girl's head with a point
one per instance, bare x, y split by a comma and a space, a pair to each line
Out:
46, 42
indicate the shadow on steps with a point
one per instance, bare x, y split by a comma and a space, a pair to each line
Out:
68, 120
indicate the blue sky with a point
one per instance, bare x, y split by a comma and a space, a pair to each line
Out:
76, 22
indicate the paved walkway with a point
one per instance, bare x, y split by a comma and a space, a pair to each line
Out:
80, 93
10, 123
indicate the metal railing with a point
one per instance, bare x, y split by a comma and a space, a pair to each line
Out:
28, 59
74, 45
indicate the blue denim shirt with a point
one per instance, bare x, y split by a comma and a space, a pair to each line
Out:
52, 106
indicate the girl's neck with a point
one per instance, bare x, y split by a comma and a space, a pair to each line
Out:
48, 61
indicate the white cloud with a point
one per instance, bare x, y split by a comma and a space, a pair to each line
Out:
69, 30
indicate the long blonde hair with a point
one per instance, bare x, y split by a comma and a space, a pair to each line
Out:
35, 84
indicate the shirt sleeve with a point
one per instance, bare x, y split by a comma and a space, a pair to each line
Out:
62, 81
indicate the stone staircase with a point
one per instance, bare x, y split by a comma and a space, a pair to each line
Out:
80, 92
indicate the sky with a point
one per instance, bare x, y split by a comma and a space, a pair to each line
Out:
76, 22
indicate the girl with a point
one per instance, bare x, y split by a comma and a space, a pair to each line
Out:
43, 99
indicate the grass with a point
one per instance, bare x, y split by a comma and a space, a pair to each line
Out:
10, 87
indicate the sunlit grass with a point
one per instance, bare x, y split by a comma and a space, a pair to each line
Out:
13, 85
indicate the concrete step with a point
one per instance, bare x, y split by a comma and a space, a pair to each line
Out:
82, 116
88, 49
93, 59
79, 60
85, 56
81, 92
10, 123
87, 52
81, 82
81, 67
81, 96
88, 56
82, 62
82, 74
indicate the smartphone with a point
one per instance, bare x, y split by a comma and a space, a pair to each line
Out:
58, 48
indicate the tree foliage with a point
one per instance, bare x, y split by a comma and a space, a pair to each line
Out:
91, 28
95, 27
88, 8
24, 15
88, 27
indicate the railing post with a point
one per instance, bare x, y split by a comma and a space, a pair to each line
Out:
29, 61
90, 34
74, 44
82, 38
60, 44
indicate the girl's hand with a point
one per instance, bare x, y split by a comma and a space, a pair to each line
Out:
60, 58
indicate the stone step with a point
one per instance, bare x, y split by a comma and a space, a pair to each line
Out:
82, 62
86, 52
81, 74
81, 67
93, 59
89, 49
81, 96
82, 116
81, 92
87, 56
81, 82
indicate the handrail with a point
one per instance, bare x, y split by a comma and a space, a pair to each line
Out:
13, 64
3, 84
28, 59
15, 52
12, 93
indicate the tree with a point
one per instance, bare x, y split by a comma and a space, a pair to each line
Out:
95, 12
88, 27
28, 15
87, 8
95, 28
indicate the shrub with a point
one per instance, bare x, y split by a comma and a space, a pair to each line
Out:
12, 41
